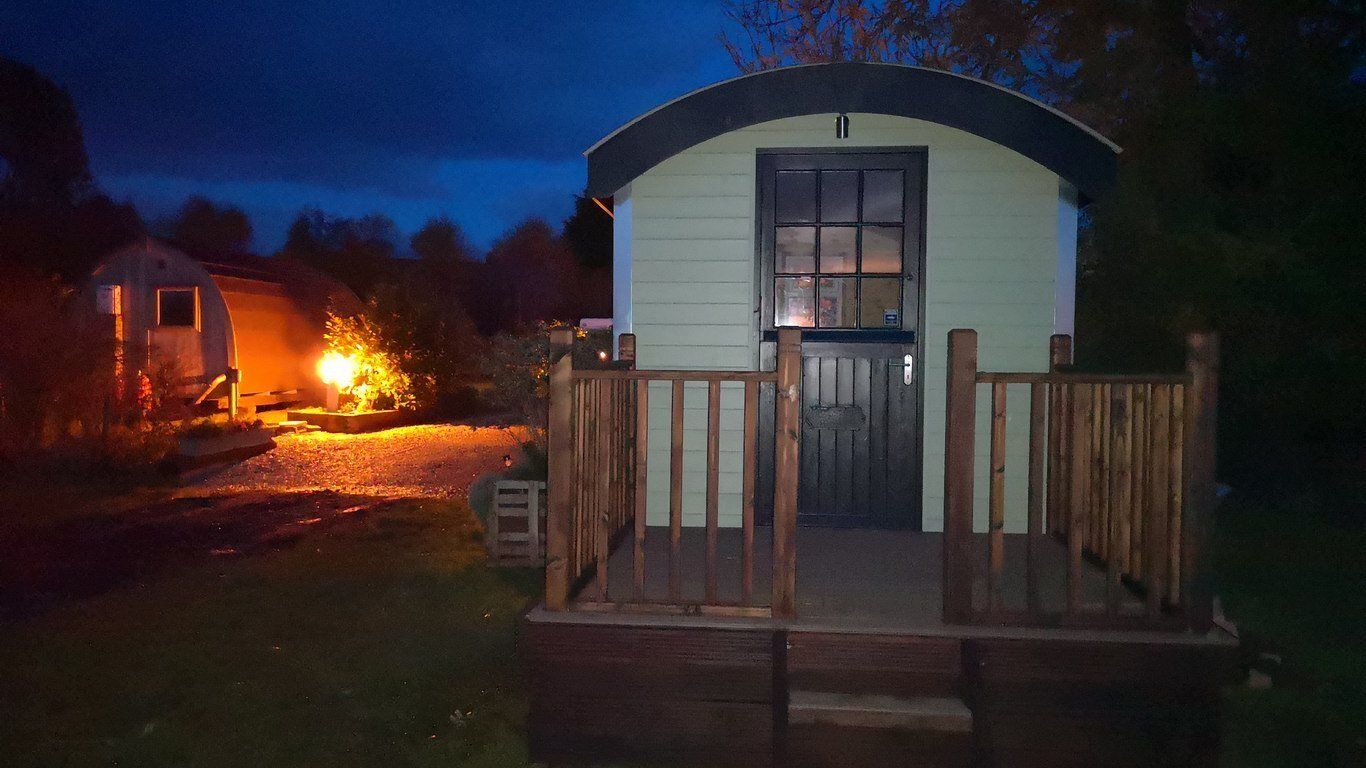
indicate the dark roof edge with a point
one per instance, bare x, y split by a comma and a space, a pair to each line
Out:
1056, 141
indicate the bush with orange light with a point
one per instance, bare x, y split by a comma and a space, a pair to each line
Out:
366, 372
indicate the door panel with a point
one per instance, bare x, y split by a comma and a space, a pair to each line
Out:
857, 453
840, 255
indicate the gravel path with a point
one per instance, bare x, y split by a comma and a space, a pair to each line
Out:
428, 460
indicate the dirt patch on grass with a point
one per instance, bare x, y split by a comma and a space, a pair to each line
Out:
42, 566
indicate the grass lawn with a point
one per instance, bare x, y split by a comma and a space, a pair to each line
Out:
1296, 586
383, 641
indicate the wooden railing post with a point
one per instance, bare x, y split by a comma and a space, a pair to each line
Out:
560, 455
1059, 354
1199, 433
787, 460
959, 432
626, 350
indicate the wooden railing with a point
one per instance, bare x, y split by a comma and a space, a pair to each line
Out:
599, 436
1120, 468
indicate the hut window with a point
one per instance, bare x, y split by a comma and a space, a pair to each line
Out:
177, 307
839, 248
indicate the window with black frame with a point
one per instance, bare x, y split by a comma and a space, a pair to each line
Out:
838, 249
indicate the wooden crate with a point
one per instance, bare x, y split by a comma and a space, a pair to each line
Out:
516, 526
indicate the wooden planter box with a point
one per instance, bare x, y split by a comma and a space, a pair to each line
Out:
231, 446
348, 423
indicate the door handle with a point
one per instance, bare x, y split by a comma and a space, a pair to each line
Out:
908, 369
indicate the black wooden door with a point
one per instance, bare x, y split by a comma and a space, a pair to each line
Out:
841, 256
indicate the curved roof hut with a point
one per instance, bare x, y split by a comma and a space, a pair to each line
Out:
874, 207
204, 322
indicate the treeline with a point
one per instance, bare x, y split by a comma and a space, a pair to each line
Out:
438, 303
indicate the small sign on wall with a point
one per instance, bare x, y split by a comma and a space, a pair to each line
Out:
891, 318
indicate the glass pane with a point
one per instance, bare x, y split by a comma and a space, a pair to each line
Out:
175, 307
881, 305
838, 302
838, 249
882, 192
794, 250
796, 196
794, 302
882, 249
839, 195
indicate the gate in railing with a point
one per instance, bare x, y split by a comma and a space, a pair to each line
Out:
1120, 467
598, 454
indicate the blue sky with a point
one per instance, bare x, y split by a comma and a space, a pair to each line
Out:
409, 108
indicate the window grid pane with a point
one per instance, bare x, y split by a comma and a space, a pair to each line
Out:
832, 276
794, 302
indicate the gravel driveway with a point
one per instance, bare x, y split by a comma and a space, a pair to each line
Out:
427, 460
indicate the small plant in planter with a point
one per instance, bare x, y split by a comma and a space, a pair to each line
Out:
210, 442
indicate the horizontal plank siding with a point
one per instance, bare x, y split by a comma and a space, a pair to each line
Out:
991, 254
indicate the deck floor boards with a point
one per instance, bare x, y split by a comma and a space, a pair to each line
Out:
854, 577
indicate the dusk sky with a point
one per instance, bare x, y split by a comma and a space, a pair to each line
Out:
477, 110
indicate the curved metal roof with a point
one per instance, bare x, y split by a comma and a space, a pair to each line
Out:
1054, 140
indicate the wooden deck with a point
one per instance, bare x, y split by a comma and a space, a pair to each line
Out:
886, 580
712, 690
1088, 642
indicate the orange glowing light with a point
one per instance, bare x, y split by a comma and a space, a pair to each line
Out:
338, 370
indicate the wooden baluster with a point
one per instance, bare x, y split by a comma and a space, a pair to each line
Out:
1124, 491
1038, 408
1117, 497
786, 464
676, 494
751, 453
1156, 533
1077, 498
713, 469
1201, 415
996, 499
1106, 468
959, 428
561, 488
1096, 481
1176, 496
1059, 354
603, 476
626, 359
641, 483
1142, 394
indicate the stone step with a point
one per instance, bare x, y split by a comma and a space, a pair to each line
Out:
918, 714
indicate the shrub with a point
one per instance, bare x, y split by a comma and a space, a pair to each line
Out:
56, 365
378, 379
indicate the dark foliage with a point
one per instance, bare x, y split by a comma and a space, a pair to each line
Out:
358, 252
52, 220
1239, 203
531, 277
588, 234
205, 228
40, 140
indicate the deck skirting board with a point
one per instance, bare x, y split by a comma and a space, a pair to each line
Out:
718, 695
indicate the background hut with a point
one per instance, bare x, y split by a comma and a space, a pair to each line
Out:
217, 324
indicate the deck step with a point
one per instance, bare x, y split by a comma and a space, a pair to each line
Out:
919, 714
